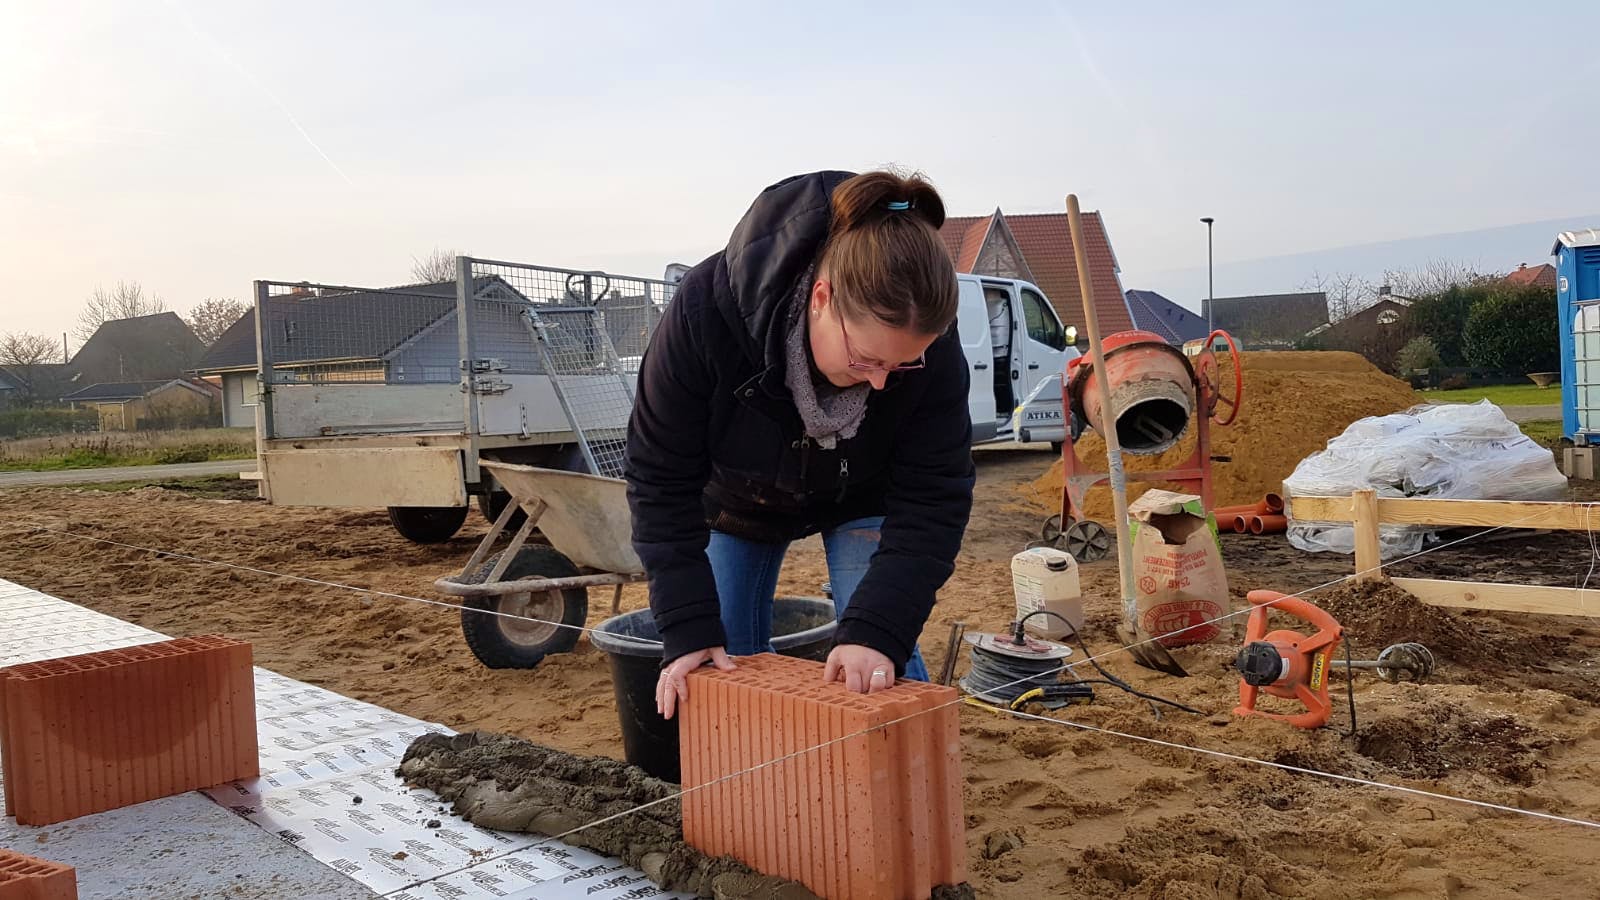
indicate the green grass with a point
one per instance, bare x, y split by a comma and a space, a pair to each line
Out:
1528, 394
1545, 431
136, 448
212, 487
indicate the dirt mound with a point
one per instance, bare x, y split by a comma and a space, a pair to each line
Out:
1377, 614
1293, 403
1441, 738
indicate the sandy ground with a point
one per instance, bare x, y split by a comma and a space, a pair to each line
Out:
1051, 810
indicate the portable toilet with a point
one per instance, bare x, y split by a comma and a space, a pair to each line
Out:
1578, 299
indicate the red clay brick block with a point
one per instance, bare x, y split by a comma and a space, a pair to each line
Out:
873, 815
84, 734
30, 878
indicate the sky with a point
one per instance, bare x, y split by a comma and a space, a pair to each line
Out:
195, 147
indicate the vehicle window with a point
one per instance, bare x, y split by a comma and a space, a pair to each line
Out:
1043, 326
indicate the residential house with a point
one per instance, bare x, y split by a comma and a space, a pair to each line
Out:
1543, 275
143, 348
37, 383
1037, 247
127, 406
1268, 321
12, 389
1155, 313
1378, 331
394, 335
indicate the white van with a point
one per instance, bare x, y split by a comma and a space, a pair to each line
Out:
1014, 342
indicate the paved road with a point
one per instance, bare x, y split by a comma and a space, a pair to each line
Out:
127, 473
1532, 413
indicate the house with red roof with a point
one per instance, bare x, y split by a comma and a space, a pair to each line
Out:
1037, 247
1543, 275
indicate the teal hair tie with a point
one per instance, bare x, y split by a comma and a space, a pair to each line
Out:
898, 205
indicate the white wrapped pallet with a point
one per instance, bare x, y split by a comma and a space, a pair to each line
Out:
1455, 451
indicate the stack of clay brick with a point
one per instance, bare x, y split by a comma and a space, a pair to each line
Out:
84, 734
873, 815
30, 878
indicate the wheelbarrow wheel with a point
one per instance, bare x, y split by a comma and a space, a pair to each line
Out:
517, 631
427, 524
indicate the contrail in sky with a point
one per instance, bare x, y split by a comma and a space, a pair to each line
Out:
221, 51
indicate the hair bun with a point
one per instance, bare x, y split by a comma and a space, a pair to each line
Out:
872, 196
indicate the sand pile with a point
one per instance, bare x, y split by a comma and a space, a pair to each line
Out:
1293, 403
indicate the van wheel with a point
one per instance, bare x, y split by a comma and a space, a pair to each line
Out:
1055, 447
528, 626
427, 524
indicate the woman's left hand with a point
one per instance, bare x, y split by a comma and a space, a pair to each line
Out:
862, 669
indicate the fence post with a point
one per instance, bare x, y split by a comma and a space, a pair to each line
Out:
265, 429
469, 378
1369, 557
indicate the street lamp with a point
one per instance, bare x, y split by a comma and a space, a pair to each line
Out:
1211, 291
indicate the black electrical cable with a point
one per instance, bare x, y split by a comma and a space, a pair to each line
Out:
1089, 658
1350, 688
1001, 678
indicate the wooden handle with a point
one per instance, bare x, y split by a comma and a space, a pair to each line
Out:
1118, 479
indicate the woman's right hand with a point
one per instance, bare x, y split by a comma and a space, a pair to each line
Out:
673, 685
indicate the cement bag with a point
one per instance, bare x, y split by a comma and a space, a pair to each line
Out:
1454, 451
1178, 577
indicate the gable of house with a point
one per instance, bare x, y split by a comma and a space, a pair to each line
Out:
159, 346
1037, 247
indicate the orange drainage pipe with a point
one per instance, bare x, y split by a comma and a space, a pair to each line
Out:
1269, 524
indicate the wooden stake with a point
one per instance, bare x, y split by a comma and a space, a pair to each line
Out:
1369, 556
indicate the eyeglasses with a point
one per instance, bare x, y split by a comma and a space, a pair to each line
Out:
921, 363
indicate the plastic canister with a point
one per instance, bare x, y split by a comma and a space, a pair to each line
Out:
1045, 578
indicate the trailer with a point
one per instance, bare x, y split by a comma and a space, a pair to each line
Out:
394, 397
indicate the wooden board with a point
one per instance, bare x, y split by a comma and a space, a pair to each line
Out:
1459, 513
1522, 598
366, 477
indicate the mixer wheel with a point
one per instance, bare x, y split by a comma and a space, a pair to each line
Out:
1051, 530
1086, 540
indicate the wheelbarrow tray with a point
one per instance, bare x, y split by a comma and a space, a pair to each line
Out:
584, 517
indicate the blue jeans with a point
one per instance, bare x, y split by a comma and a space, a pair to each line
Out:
747, 578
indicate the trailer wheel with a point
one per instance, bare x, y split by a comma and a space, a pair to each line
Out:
427, 524
493, 504
505, 641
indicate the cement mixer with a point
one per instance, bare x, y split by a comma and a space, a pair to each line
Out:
1156, 392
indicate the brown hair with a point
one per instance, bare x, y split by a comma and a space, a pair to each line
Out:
884, 254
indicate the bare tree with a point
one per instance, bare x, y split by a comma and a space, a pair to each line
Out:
19, 348
1347, 293
125, 301
1435, 276
437, 266
214, 315
22, 354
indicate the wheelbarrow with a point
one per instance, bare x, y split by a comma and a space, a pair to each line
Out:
526, 602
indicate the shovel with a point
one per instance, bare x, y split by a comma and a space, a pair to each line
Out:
1145, 650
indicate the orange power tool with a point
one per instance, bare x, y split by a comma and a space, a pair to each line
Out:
1286, 663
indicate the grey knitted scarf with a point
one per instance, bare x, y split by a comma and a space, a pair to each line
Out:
830, 413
